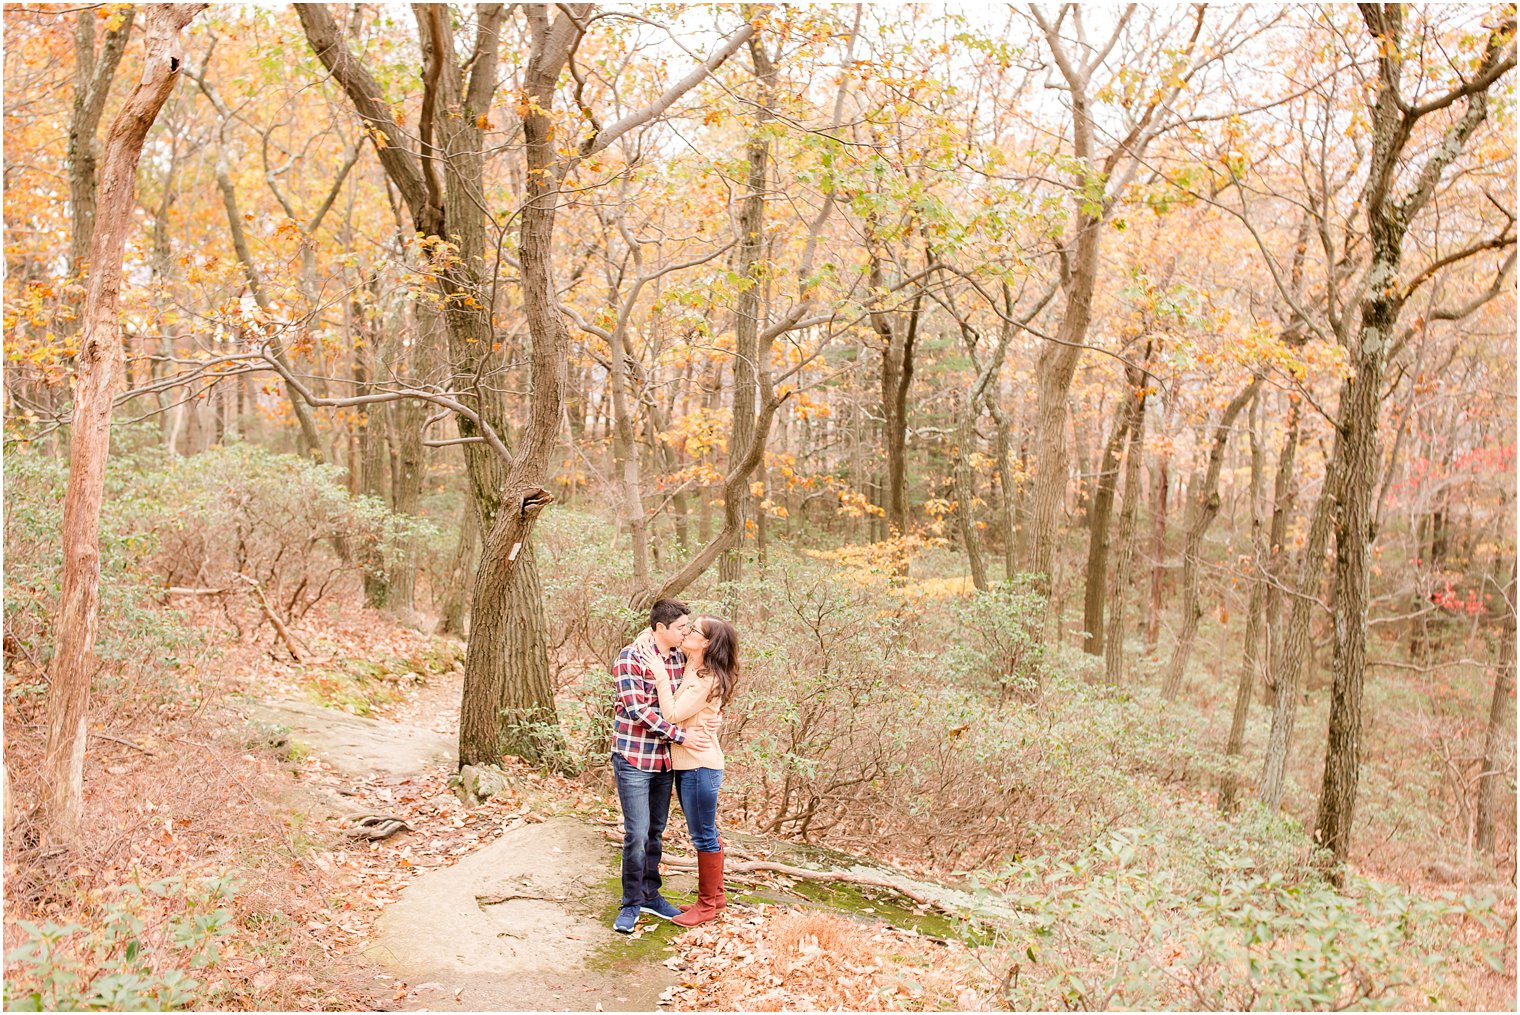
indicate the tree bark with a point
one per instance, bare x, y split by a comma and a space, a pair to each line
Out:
965, 434
1099, 515
1288, 666
456, 601
407, 420
1007, 488
371, 349
898, 340
747, 322
1501, 721
1250, 665
1389, 215
93, 74
1284, 493
1163, 482
1113, 635
96, 372
1205, 510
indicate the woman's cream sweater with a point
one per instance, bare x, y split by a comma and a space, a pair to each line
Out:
688, 707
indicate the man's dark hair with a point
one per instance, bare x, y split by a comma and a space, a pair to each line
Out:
667, 612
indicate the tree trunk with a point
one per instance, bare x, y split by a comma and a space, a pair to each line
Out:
1082, 493
1284, 493
625, 451
1113, 635
1357, 453
1356, 447
1205, 510
1163, 482
1099, 515
456, 600
965, 434
1288, 666
1250, 665
508, 701
747, 324
1501, 720
409, 464
96, 371
898, 340
374, 459
1006, 488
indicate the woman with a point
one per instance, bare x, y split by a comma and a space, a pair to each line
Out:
709, 680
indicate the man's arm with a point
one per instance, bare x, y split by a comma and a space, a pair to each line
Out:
635, 701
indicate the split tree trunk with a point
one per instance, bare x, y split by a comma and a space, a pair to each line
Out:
93, 74
1099, 515
506, 667
747, 323
1205, 510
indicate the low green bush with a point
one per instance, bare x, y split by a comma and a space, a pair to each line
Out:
140, 951
133, 627
247, 519
237, 519
1193, 911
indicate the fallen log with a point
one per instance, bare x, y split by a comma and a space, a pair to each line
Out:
807, 874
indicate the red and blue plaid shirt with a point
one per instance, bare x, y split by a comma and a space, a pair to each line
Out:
639, 733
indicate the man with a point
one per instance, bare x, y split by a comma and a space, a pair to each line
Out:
641, 740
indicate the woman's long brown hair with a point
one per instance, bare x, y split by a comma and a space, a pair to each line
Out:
721, 658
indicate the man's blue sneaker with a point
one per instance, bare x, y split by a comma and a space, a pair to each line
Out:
658, 906
627, 917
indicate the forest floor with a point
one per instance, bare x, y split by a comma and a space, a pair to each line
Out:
508, 906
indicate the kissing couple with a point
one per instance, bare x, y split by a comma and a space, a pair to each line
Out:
673, 683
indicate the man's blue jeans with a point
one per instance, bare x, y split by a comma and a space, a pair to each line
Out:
698, 790
645, 798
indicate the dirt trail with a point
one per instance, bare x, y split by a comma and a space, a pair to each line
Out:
521, 924
524, 922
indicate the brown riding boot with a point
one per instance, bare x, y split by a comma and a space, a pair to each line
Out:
709, 890
722, 890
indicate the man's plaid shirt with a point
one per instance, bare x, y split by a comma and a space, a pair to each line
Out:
639, 733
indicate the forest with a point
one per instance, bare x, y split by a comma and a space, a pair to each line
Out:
1097, 423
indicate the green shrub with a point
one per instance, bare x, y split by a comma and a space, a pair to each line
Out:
586, 591
1197, 912
133, 627
233, 518
138, 952
997, 637
242, 516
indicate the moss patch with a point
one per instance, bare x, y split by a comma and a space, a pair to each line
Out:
361, 686
651, 940
866, 903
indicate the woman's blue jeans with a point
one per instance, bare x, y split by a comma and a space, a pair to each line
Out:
697, 789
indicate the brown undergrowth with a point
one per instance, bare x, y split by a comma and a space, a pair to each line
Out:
182, 799
769, 958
